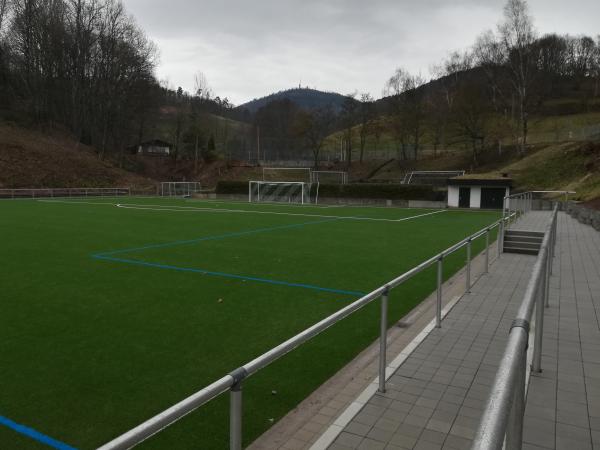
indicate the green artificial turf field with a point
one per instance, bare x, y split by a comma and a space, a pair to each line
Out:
112, 314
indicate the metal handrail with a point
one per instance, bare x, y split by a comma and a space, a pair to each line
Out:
233, 381
503, 417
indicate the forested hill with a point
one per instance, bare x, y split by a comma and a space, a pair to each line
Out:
305, 98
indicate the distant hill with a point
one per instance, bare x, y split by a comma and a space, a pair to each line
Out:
305, 98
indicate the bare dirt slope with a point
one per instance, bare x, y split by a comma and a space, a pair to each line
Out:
32, 159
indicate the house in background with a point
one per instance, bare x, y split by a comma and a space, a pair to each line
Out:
155, 147
479, 191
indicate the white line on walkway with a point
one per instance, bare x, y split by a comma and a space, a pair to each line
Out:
214, 210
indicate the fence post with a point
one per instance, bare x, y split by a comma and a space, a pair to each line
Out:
440, 274
383, 339
487, 251
468, 283
235, 409
514, 428
539, 317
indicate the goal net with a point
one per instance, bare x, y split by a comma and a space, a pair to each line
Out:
329, 177
179, 188
299, 174
280, 192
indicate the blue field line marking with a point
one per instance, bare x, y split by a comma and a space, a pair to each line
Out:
213, 238
33, 434
229, 275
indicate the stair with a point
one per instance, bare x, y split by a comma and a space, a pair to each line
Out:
526, 242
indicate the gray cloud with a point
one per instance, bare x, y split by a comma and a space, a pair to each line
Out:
248, 49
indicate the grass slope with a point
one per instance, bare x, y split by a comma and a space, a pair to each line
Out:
93, 347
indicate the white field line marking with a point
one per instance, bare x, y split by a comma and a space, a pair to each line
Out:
213, 210
76, 202
291, 205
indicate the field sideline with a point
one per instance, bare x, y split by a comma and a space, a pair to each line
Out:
115, 309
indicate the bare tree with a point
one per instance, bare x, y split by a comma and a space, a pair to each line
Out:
596, 70
510, 55
472, 114
407, 109
367, 118
314, 127
441, 97
4, 5
348, 118
202, 89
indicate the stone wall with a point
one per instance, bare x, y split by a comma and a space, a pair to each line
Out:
584, 215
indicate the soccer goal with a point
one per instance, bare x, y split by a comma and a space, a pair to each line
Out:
299, 174
179, 188
431, 176
329, 177
296, 192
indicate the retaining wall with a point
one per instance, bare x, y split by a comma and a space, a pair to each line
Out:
584, 215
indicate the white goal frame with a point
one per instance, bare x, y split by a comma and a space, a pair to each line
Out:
257, 195
450, 173
315, 174
179, 188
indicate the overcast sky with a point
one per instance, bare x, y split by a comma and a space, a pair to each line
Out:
250, 48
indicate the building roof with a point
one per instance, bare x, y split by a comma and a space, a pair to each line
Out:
157, 142
481, 179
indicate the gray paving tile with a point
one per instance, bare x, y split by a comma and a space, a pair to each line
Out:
436, 398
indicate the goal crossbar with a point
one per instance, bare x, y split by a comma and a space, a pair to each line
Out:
339, 176
432, 173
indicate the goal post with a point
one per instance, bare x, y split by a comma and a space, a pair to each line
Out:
179, 188
295, 192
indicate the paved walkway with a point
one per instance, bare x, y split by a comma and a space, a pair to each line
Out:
532, 221
435, 399
563, 402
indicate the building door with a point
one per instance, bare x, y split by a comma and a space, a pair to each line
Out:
464, 197
492, 198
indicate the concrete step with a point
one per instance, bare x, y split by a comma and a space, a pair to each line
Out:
522, 244
531, 234
517, 238
526, 251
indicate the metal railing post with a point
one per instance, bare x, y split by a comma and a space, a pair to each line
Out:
468, 284
501, 238
547, 273
235, 408
440, 274
235, 417
487, 251
514, 429
383, 339
539, 318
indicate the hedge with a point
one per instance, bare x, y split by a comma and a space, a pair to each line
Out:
355, 191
